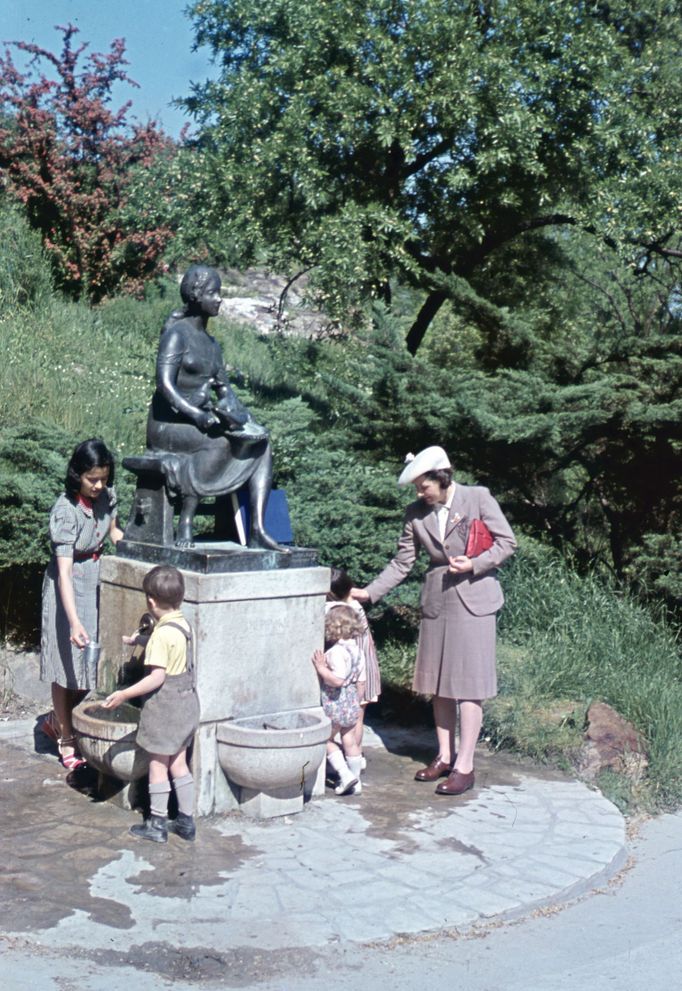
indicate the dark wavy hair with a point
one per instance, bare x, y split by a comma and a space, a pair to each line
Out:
441, 475
340, 585
92, 453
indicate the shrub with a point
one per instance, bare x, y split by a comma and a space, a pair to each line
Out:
24, 273
33, 460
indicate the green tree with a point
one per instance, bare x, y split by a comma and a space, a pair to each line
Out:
169, 193
69, 158
422, 138
569, 408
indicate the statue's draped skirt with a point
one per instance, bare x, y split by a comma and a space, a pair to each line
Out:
200, 463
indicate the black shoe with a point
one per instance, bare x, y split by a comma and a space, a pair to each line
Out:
183, 826
155, 829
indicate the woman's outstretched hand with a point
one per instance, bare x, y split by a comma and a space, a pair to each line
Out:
361, 594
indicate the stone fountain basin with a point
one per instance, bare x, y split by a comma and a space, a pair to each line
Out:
106, 738
274, 751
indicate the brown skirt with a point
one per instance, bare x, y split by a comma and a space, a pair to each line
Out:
456, 653
169, 717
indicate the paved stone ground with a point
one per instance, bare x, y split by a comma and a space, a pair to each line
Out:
250, 895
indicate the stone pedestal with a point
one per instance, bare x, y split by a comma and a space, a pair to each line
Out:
255, 633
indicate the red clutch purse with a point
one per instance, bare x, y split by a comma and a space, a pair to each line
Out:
480, 539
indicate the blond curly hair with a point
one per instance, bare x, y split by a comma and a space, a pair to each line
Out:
341, 623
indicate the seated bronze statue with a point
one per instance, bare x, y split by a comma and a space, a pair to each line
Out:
205, 437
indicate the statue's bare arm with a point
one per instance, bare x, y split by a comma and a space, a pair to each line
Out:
172, 349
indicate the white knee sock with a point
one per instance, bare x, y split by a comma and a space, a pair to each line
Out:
338, 762
355, 768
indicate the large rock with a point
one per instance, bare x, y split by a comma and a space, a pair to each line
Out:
611, 744
253, 297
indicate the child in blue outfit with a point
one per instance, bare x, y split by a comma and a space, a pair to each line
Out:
170, 715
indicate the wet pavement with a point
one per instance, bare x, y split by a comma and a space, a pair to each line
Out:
250, 895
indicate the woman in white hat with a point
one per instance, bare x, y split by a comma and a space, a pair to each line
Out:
459, 603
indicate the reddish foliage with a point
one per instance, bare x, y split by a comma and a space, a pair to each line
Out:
68, 158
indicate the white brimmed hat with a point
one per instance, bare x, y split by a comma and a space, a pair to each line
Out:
430, 459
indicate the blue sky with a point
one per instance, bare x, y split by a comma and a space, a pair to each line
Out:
158, 37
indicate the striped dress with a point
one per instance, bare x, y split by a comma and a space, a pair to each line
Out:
77, 530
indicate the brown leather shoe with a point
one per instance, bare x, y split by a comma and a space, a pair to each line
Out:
456, 784
437, 769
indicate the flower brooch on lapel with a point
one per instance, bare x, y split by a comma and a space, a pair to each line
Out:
459, 523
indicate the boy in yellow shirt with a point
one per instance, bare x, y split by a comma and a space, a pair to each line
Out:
170, 715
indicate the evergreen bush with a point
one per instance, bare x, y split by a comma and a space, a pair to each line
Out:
33, 459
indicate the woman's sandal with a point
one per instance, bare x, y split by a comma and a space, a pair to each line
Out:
72, 762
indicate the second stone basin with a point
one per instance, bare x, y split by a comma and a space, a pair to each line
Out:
273, 751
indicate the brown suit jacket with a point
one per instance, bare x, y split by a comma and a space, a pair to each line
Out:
479, 589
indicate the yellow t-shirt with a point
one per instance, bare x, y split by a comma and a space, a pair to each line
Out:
167, 646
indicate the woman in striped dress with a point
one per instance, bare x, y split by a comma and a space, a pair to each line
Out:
80, 520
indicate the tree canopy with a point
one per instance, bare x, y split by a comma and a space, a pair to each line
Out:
418, 138
70, 159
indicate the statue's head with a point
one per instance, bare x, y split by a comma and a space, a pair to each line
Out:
196, 280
